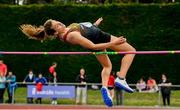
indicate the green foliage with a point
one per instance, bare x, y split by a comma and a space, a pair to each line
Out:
147, 27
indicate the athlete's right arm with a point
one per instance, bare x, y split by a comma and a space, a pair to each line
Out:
76, 38
98, 21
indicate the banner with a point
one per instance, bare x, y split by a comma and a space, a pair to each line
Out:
51, 91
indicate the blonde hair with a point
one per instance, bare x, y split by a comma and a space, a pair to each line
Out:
33, 32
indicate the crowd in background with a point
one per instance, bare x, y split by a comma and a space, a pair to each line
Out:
152, 86
40, 81
8, 81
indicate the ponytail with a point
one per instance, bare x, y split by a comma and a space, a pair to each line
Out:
39, 33
33, 32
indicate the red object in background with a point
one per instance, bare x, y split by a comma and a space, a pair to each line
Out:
3, 68
39, 86
111, 81
151, 82
51, 70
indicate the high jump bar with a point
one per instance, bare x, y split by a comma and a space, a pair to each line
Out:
89, 53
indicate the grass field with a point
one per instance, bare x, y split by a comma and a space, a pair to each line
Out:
94, 98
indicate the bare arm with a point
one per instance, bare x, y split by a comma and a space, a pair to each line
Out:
98, 21
76, 38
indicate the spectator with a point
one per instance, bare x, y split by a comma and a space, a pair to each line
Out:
11, 86
111, 84
151, 85
165, 89
52, 71
3, 68
40, 81
141, 85
30, 78
81, 78
2, 87
53, 79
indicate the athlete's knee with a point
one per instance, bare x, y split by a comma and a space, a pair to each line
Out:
132, 49
108, 67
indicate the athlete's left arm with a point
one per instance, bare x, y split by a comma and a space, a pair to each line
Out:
76, 38
98, 21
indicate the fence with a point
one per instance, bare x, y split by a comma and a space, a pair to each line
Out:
94, 96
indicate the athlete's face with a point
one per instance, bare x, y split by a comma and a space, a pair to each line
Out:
58, 26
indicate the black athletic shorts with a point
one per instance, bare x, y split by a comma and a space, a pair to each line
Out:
95, 34
110, 88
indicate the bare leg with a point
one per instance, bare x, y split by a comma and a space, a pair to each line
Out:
107, 67
112, 93
127, 59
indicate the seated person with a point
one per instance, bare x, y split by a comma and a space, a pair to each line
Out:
141, 85
151, 85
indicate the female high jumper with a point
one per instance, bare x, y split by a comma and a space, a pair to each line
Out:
89, 36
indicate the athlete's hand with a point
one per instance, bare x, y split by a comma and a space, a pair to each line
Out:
98, 21
119, 40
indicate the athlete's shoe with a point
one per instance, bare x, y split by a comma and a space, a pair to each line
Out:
106, 97
122, 84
